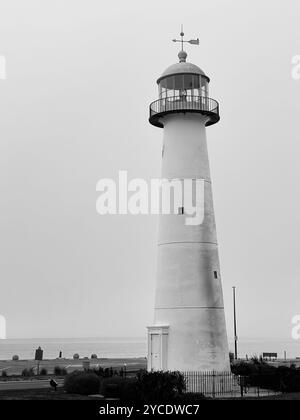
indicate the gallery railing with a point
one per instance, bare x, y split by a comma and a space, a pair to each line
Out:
198, 104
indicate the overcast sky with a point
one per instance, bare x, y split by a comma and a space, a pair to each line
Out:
74, 109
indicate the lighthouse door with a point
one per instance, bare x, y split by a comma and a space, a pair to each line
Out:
155, 352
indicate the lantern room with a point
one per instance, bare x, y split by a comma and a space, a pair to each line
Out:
183, 87
183, 80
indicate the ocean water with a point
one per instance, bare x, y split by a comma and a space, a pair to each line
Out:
85, 347
128, 347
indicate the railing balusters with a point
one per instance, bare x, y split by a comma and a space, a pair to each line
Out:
212, 384
179, 103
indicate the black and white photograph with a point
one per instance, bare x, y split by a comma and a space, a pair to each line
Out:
150, 206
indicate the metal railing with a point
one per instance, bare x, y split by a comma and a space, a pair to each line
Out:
212, 384
199, 104
223, 385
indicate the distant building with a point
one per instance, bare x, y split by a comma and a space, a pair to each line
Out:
39, 354
270, 356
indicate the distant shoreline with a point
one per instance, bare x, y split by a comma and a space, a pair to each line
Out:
129, 347
102, 347
15, 367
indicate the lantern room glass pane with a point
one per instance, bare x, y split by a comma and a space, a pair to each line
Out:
188, 81
168, 82
183, 86
196, 81
204, 86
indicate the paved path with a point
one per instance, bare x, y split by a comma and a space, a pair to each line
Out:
23, 385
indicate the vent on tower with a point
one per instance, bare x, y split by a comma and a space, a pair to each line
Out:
216, 275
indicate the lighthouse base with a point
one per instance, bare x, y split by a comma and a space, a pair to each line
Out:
195, 343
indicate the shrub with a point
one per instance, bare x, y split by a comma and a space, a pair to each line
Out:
105, 373
64, 372
108, 372
4, 374
59, 371
82, 383
94, 356
117, 387
136, 390
258, 373
243, 369
43, 372
99, 372
160, 386
112, 387
129, 391
76, 356
28, 372
15, 358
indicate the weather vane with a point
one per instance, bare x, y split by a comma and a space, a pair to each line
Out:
191, 41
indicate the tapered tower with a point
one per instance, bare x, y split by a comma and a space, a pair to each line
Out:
189, 331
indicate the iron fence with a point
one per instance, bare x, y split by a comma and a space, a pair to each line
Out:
213, 384
222, 384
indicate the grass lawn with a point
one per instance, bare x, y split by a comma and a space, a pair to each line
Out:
49, 394
295, 396
40, 394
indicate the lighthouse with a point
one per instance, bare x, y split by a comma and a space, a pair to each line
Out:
189, 330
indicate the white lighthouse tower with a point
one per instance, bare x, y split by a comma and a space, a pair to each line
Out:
189, 331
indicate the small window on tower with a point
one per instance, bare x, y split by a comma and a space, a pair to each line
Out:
216, 274
181, 211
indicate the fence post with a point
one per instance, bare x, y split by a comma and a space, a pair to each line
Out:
242, 386
213, 384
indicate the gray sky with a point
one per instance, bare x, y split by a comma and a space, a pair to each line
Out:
74, 109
